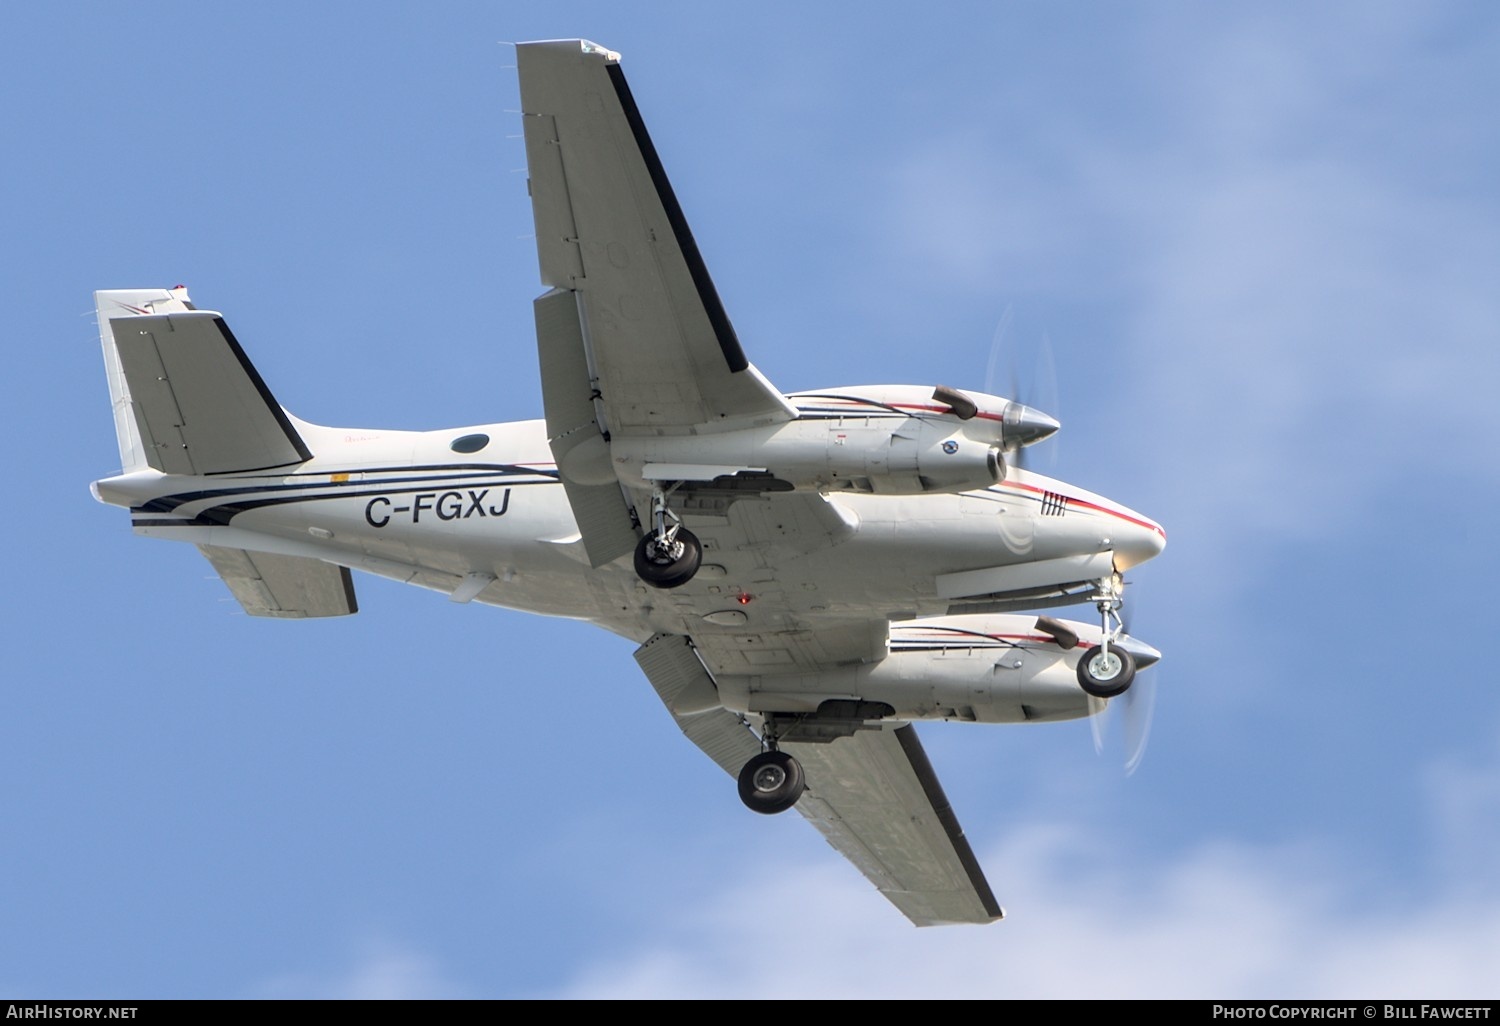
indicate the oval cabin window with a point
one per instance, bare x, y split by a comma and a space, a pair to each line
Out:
470, 443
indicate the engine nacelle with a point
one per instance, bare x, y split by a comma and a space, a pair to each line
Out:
894, 440
986, 668
906, 455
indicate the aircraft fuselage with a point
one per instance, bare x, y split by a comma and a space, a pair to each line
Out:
405, 505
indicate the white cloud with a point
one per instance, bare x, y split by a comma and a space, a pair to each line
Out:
1465, 809
381, 971
1095, 914
1089, 919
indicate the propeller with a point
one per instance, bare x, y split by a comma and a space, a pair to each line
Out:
1037, 391
1139, 706
1131, 718
1097, 708
1135, 719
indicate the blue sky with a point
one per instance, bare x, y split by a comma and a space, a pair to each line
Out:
1263, 242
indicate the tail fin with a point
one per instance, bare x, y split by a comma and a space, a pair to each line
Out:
186, 399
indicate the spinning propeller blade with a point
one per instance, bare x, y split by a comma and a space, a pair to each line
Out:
1037, 392
1096, 722
1130, 719
1127, 717
1140, 705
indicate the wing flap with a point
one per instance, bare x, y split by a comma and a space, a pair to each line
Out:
875, 798
689, 694
599, 508
285, 587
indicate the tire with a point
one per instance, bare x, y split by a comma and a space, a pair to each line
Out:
771, 783
1106, 681
659, 569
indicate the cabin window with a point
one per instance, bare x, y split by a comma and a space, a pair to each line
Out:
469, 443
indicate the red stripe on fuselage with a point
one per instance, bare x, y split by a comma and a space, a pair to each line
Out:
873, 404
1148, 525
944, 409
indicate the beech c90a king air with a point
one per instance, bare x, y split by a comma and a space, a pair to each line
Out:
807, 575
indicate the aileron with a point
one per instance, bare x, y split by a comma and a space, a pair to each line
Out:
876, 799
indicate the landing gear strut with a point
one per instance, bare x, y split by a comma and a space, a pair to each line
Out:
1107, 670
669, 554
772, 781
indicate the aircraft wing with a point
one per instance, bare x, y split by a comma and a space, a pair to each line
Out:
633, 339
873, 794
659, 347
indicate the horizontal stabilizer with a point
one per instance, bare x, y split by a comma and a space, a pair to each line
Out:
286, 587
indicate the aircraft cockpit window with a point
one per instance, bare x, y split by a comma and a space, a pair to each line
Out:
469, 443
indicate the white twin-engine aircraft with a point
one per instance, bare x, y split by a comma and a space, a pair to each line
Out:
806, 574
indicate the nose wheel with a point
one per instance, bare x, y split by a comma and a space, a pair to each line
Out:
669, 554
1107, 670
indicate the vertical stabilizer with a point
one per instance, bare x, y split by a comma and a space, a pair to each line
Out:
187, 399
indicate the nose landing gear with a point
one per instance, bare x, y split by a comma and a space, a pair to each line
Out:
1107, 670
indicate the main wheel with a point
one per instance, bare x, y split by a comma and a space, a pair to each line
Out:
1106, 674
670, 565
771, 782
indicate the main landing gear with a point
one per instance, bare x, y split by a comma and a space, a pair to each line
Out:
1107, 669
772, 781
669, 554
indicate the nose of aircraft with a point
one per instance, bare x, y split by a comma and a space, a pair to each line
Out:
1137, 540
1021, 425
